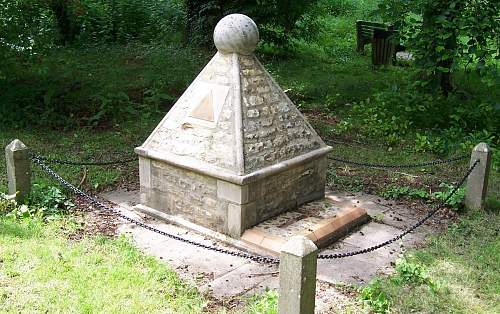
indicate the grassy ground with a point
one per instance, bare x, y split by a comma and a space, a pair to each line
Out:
457, 271
128, 90
42, 271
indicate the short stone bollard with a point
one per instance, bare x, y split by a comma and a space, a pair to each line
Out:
18, 169
477, 183
298, 263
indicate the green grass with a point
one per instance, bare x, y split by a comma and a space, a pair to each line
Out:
101, 102
460, 270
83, 144
42, 271
264, 303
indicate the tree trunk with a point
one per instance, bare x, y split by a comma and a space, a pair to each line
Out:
431, 10
64, 24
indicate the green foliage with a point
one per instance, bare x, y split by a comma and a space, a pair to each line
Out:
44, 201
7, 204
373, 296
446, 36
265, 303
339, 8
455, 272
124, 20
49, 199
437, 124
26, 30
29, 29
399, 110
395, 192
280, 21
101, 275
455, 201
86, 87
411, 273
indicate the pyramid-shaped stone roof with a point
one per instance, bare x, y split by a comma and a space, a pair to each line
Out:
234, 119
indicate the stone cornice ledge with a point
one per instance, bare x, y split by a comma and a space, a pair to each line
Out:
197, 166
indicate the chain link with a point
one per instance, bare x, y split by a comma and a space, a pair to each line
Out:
401, 166
407, 231
95, 202
257, 258
83, 163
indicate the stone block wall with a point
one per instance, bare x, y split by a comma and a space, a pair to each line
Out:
225, 206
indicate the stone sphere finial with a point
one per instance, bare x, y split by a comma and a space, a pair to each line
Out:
236, 33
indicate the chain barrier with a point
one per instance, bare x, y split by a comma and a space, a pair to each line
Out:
95, 202
407, 231
402, 166
257, 258
83, 163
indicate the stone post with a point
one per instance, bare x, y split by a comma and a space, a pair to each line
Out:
298, 263
477, 183
18, 169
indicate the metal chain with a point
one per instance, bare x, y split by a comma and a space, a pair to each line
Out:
407, 231
416, 165
257, 258
83, 163
93, 201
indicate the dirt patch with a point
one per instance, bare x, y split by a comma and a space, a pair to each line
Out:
226, 305
93, 221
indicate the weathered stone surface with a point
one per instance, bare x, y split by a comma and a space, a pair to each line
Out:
205, 200
200, 126
236, 33
298, 276
180, 192
274, 129
232, 141
18, 169
477, 183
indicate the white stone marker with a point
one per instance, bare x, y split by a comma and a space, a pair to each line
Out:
18, 169
234, 150
477, 183
298, 264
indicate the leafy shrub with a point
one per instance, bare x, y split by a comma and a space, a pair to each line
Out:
456, 200
397, 110
50, 198
124, 20
438, 124
373, 296
395, 192
26, 30
446, 36
44, 201
30, 28
411, 273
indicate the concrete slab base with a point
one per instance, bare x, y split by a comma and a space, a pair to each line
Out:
224, 276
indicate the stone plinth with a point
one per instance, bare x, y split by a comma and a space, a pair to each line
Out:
234, 150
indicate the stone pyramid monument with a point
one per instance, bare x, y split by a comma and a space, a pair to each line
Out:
234, 150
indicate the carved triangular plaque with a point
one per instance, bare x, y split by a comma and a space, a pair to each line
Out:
205, 109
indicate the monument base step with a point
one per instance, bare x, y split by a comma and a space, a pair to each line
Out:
322, 221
